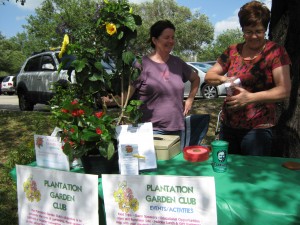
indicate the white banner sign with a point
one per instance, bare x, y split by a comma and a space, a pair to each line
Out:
51, 197
159, 200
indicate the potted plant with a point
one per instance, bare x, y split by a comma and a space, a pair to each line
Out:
88, 127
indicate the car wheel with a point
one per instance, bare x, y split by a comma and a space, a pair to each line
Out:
24, 104
209, 91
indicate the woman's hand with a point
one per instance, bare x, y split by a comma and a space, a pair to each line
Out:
187, 106
239, 100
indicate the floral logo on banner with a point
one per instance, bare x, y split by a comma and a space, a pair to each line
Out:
39, 142
124, 197
31, 191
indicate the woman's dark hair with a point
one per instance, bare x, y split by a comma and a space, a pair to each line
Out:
253, 13
157, 28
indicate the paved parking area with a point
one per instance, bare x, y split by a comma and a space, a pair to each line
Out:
11, 103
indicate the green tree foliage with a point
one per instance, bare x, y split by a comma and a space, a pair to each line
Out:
214, 50
55, 18
192, 29
11, 56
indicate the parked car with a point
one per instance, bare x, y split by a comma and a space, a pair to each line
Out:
1, 79
38, 74
205, 90
36, 77
210, 62
8, 85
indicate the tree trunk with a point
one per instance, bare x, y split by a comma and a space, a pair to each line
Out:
285, 30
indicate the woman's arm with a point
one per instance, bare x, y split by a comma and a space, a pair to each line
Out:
195, 81
215, 75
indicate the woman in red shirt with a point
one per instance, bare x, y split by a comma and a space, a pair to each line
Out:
263, 68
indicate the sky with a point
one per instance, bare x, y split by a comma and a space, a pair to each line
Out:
221, 13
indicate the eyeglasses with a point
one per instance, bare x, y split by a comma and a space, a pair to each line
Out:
258, 33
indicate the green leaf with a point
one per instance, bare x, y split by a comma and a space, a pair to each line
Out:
79, 65
136, 73
96, 77
110, 150
130, 23
98, 66
128, 57
129, 108
121, 34
68, 150
103, 152
90, 136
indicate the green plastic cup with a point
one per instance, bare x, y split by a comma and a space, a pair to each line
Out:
220, 154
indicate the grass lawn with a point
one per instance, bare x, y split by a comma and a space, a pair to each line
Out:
16, 147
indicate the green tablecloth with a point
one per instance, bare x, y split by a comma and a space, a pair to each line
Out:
254, 190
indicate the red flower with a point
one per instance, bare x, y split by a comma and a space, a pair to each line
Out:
98, 131
74, 102
98, 114
75, 113
64, 110
72, 130
80, 112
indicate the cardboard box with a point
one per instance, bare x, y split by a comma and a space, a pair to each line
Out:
166, 146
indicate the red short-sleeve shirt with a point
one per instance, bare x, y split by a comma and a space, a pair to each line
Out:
255, 76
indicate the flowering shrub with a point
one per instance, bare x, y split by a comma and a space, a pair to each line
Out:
84, 129
88, 126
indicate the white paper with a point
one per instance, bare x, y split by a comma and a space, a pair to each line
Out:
48, 197
141, 137
159, 199
128, 163
56, 131
129, 166
49, 153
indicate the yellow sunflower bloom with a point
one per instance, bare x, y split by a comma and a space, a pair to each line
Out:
64, 46
111, 28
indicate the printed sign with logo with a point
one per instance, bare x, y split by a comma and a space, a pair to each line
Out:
56, 197
159, 200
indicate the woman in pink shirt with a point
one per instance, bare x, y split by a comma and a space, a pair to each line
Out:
161, 83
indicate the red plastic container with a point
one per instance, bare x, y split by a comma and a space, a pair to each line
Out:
196, 153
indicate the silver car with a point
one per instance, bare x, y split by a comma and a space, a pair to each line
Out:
8, 85
205, 90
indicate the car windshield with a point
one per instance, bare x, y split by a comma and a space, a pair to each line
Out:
68, 59
202, 66
6, 79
